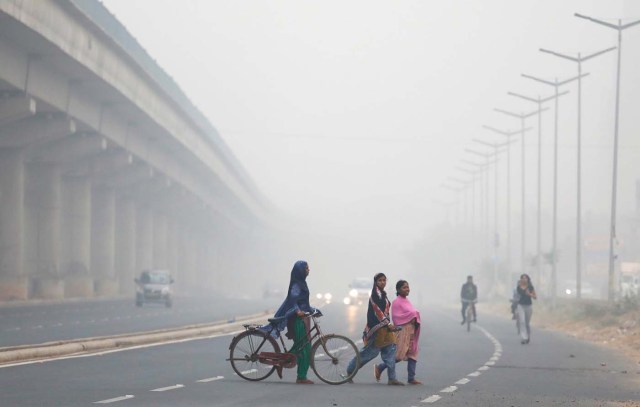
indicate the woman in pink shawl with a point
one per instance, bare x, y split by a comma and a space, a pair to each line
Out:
404, 315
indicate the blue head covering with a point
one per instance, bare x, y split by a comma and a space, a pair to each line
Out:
297, 294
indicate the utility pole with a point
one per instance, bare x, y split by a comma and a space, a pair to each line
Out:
482, 168
539, 101
556, 84
522, 117
612, 235
494, 240
579, 59
509, 134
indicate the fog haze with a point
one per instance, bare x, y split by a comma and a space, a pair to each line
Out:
350, 115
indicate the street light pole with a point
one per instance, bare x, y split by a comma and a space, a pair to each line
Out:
556, 84
539, 101
522, 117
612, 235
579, 59
496, 151
482, 168
507, 134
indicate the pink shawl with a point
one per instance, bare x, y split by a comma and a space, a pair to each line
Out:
403, 312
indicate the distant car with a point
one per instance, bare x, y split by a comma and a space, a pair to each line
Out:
360, 290
154, 286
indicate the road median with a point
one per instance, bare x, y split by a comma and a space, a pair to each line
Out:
25, 353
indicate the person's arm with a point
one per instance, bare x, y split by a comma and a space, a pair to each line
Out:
475, 293
532, 293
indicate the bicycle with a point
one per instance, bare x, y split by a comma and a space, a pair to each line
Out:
471, 308
255, 354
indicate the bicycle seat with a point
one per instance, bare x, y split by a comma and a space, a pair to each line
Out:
276, 321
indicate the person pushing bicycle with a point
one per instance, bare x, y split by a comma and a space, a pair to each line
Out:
294, 308
468, 296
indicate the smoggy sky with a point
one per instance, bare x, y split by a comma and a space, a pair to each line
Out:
351, 114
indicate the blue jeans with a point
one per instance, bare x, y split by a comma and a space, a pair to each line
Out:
369, 352
411, 368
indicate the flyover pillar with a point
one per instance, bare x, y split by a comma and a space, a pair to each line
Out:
160, 241
14, 284
77, 237
103, 241
144, 239
43, 203
125, 245
172, 248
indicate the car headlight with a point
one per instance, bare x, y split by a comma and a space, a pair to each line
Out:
567, 291
319, 296
347, 301
328, 296
353, 293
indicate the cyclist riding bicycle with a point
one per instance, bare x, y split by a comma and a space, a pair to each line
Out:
468, 295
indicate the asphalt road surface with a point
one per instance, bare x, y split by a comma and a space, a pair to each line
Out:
32, 324
485, 367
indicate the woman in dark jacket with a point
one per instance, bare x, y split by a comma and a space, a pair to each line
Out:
378, 323
294, 308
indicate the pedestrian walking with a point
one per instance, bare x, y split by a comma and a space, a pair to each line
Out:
379, 332
406, 318
526, 294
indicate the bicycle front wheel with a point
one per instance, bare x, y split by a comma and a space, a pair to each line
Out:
330, 356
244, 355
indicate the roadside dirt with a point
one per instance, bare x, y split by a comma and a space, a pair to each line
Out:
593, 322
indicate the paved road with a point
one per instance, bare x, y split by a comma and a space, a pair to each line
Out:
31, 324
456, 366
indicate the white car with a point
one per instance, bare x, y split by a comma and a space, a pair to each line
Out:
360, 290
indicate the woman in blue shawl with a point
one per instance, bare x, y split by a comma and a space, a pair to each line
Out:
378, 321
294, 308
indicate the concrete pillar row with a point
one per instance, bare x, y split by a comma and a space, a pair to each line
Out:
103, 241
14, 284
76, 253
125, 245
43, 206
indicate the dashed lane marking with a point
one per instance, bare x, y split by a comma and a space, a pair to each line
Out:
463, 381
483, 368
431, 399
174, 387
449, 389
474, 374
113, 400
210, 379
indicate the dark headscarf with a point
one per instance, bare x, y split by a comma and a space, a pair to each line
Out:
297, 294
379, 299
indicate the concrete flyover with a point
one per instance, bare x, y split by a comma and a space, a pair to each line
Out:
106, 168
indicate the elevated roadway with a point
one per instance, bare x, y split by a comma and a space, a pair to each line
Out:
106, 167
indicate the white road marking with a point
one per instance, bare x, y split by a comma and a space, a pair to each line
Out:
248, 371
483, 368
113, 400
177, 386
490, 363
463, 381
449, 389
211, 379
431, 399
474, 374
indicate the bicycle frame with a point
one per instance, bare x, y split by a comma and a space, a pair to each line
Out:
313, 333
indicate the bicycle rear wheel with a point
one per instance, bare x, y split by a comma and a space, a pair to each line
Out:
244, 351
329, 362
